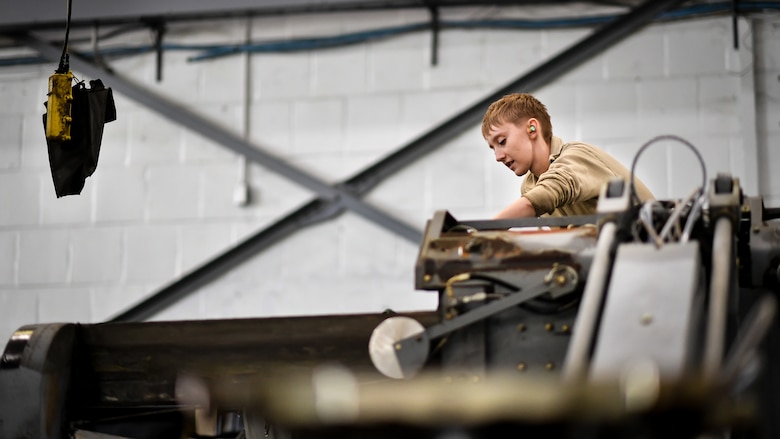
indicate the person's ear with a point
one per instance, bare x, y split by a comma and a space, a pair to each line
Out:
533, 126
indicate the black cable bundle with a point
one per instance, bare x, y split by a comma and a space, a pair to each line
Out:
64, 66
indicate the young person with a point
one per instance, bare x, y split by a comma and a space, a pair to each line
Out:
563, 178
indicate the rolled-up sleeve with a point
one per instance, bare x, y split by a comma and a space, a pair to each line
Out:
575, 176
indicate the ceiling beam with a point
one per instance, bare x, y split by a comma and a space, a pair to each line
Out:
50, 14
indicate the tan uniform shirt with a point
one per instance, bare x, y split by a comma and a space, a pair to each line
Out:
572, 184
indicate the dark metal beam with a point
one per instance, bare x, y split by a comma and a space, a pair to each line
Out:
597, 42
312, 212
212, 131
50, 14
433, 139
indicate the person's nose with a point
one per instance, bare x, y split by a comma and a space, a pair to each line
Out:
499, 155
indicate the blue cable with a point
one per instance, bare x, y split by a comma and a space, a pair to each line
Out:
210, 51
327, 42
22, 61
311, 43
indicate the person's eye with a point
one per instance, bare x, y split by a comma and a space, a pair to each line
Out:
502, 142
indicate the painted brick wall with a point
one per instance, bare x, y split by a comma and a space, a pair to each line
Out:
161, 202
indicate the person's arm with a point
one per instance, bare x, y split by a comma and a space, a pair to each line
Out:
520, 208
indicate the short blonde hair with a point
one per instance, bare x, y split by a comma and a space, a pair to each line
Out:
515, 108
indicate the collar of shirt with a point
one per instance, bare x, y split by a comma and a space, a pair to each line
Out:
555, 148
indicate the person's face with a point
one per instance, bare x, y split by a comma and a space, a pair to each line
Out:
513, 144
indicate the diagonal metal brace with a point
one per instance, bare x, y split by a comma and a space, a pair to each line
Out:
537, 284
315, 211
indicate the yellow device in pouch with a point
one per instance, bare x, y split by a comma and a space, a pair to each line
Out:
58, 107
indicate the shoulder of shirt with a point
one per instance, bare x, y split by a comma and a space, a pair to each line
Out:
577, 144
578, 147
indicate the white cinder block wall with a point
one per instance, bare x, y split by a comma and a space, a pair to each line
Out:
161, 200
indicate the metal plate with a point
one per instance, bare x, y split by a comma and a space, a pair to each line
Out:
649, 313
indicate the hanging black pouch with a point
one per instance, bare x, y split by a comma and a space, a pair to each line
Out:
72, 161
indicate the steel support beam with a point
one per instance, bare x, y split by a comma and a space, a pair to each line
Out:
212, 131
365, 180
544, 74
50, 14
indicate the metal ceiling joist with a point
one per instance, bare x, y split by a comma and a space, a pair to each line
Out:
362, 182
49, 14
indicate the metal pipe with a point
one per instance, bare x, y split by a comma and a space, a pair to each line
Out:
735, 22
718, 298
550, 221
576, 362
435, 29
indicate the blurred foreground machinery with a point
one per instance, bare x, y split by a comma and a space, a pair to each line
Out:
642, 321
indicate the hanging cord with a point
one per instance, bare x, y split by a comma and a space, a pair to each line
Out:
697, 198
64, 59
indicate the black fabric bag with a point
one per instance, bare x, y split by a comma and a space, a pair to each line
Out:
74, 160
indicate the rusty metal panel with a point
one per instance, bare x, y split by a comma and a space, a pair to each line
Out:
452, 250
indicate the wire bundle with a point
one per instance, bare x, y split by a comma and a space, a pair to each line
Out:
671, 230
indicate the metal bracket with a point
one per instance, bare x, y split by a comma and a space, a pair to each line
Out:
735, 22
159, 30
435, 28
412, 352
725, 196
